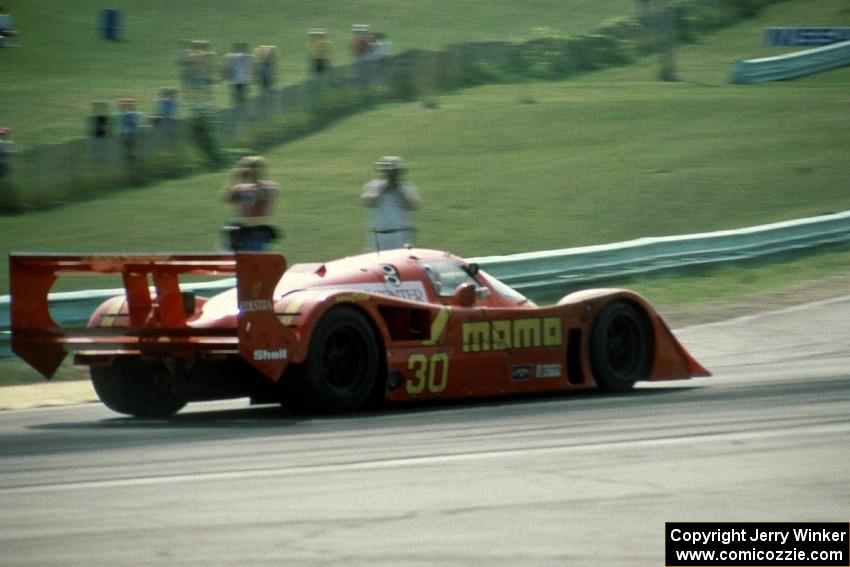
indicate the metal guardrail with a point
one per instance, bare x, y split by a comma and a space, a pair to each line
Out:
538, 271
558, 269
791, 65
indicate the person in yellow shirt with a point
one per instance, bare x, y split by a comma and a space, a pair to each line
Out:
320, 50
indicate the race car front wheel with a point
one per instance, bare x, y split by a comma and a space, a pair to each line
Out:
621, 347
141, 389
343, 362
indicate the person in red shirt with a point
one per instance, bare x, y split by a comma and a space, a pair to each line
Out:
252, 197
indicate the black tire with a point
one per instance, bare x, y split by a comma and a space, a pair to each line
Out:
343, 366
137, 388
622, 347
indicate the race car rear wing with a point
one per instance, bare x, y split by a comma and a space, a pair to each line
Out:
158, 321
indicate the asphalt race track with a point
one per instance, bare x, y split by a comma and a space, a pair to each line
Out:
569, 480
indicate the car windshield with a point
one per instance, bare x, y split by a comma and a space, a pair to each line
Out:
446, 275
503, 289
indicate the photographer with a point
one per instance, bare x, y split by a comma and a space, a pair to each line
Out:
390, 199
252, 198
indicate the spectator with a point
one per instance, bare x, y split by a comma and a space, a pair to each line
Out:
201, 74
7, 30
129, 121
381, 46
265, 65
381, 51
165, 113
320, 50
100, 129
252, 197
361, 49
184, 63
361, 43
237, 71
166, 106
7, 149
391, 201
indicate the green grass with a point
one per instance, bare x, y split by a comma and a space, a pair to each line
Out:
591, 161
49, 83
700, 290
64, 65
14, 372
510, 168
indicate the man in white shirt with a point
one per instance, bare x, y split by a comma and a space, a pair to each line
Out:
391, 201
238, 68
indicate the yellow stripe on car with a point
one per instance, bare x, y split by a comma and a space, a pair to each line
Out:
438, 326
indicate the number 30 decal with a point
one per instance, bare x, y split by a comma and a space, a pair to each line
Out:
431, 373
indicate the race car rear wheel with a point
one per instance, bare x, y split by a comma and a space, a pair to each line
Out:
343, 362
621, 347
141, 389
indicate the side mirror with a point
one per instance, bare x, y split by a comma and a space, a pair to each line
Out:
464, 295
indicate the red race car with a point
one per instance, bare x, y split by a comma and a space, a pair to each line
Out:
394, 326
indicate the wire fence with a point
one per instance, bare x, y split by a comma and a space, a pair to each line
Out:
205, 136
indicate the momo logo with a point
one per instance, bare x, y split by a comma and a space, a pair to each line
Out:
484, 336
263, 354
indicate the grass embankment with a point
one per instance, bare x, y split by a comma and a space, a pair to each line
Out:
64, 65
516, 168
